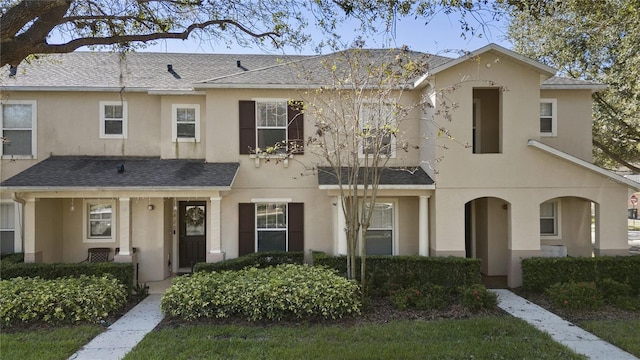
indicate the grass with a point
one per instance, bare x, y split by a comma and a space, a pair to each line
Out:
633, 225
46, 343
493, 337
621, 333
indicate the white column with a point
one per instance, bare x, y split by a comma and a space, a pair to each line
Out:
423, 226
215, 239
342, 224
18, 227
124, 228
30, 254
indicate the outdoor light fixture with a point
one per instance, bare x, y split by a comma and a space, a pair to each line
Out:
150, 206
72, 208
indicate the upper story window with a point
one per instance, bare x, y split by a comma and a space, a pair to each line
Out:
378, 128
185, 122
380, 232
548, 117
550, 219
271, 126
18, 123
113, 119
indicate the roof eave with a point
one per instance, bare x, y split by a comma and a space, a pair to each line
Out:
384, 187
562, 155
34, 189
593, 87
73, 88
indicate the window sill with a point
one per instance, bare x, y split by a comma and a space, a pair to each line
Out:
284, 158
548, 135
18, 157
99, 240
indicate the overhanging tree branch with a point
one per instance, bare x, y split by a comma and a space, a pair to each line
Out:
615, 156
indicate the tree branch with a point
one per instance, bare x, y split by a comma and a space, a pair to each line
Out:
613, 156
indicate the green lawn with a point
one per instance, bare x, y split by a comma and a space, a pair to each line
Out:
46, 344
633, 225
501, 337
622, 333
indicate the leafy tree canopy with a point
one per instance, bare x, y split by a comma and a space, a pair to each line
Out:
592, 40
30, 27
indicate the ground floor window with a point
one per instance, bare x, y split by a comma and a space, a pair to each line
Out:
379, 238
7, 227
549, 216
271, 227
99, 219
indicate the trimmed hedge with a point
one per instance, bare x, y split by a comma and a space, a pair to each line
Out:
385, 273
280, 292
12, 258
68, 300
123, 272
539, 273
259, 260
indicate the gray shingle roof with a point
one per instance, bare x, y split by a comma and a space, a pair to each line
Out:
139, 172
389, 176
148, 71
562, 82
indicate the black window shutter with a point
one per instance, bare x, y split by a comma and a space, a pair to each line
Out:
295, 130
246, 229
247, 126
296, 227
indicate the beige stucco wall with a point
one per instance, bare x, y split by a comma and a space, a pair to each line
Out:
574, 122
48, 229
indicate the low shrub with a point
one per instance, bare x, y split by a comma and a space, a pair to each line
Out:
539, 273
610, 290
69, 300
575, 295
476, 297
385, 272
430, 297
12, 258
123, 272
259, 259
273, 293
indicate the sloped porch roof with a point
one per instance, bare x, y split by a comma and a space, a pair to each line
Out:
102, 172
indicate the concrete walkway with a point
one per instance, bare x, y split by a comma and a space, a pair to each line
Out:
125, 333
562, 331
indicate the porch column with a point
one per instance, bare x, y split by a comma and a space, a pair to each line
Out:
215, 253
423, 226
18, 227
342, 224
30, 253
124, 229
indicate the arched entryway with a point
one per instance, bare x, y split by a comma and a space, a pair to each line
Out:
487, 232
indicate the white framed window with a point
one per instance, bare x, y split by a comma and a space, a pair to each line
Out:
271, 226
548, 117
7, 227
18, 120
380, 238
378, 128
99, 218
113, 119
185, 122
271, 124
550, 219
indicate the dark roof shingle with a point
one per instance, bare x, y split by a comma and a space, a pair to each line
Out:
139, 172
389, 176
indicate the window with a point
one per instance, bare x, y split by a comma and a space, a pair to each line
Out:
271, 125
548, 121
99, 221
378, 127
186, 122
549, 218
113, 119
380, 232
7, 227
265, 123
18, 122
270, 225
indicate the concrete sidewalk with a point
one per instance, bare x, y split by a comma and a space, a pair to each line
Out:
562, 331
125, 333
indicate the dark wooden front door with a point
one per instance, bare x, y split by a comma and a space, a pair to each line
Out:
193, 233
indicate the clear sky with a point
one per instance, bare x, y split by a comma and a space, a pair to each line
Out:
440, 36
